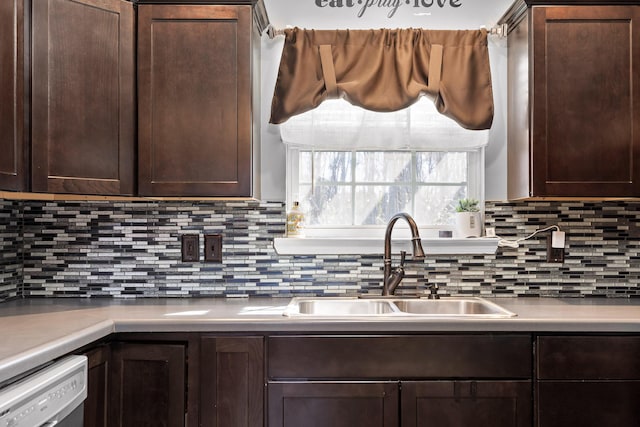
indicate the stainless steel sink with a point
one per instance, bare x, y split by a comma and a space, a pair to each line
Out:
397, 307
344, 307
452, 307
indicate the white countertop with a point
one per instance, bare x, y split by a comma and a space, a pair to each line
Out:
36, 331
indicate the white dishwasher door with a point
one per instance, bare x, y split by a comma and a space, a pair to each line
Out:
48, 397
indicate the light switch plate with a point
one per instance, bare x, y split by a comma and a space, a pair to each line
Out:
213, 247
190, 247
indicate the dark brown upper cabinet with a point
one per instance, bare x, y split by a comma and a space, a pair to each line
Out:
574, 100
13, 145
83, 100
195, 100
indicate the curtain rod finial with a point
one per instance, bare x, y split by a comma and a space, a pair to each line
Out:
272, 32
499, 30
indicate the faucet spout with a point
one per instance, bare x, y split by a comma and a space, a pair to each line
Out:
418, 252
393, 277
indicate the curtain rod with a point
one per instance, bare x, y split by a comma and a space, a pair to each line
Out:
497, 30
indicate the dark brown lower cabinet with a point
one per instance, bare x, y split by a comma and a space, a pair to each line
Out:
176, 379
148, 385
588, 381
588, 403
231, 381
213, 380
333, 404
95, 405
448, 380
466, 403
404, 403
400, 380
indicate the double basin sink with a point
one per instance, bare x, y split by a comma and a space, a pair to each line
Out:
471, 307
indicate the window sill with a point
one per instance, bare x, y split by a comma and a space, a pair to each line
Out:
375, 246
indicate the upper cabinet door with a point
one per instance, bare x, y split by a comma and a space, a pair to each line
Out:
13, 146
586, 101
194, 110
83, 111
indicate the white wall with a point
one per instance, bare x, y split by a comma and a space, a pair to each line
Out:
471, 14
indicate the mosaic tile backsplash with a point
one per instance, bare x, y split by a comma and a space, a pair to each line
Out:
10, 250
128, 250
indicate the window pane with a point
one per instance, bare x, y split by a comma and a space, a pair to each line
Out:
331, 166
326, 205
383, 166
375, 205
441, 167
305, 167
435, 204
365, 188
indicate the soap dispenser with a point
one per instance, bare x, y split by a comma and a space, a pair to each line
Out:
295, 221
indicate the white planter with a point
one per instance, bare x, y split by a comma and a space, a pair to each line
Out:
468, 224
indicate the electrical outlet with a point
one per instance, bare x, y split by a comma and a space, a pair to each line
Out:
190, 247
213, 247
557, 239
554, 254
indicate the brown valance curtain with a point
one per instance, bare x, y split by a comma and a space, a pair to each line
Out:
386, 70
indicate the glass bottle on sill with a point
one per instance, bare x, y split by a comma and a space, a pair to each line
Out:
295, 221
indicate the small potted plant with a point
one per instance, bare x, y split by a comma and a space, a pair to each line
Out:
468, 218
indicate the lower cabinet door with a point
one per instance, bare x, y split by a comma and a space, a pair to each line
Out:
95, 405
148, 385
588, 403
466, 403
231, 382
333, 404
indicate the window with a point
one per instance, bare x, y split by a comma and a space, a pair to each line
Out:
362, 189
353, 169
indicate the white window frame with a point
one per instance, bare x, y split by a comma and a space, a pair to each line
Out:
369, 240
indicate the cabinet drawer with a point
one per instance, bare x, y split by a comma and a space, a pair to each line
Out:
561, 357
588, 403
421, 356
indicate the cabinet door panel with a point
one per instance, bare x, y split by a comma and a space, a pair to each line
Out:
333, 404
588, 403
466, 403
194, 65
232, 382
417, 356
95, 406
83, 96
588, 358
148, 385
13, 146
586, 108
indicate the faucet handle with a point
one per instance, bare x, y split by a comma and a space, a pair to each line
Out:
434, 291
403, 256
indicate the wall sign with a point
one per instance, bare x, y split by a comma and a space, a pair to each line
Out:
362, 6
